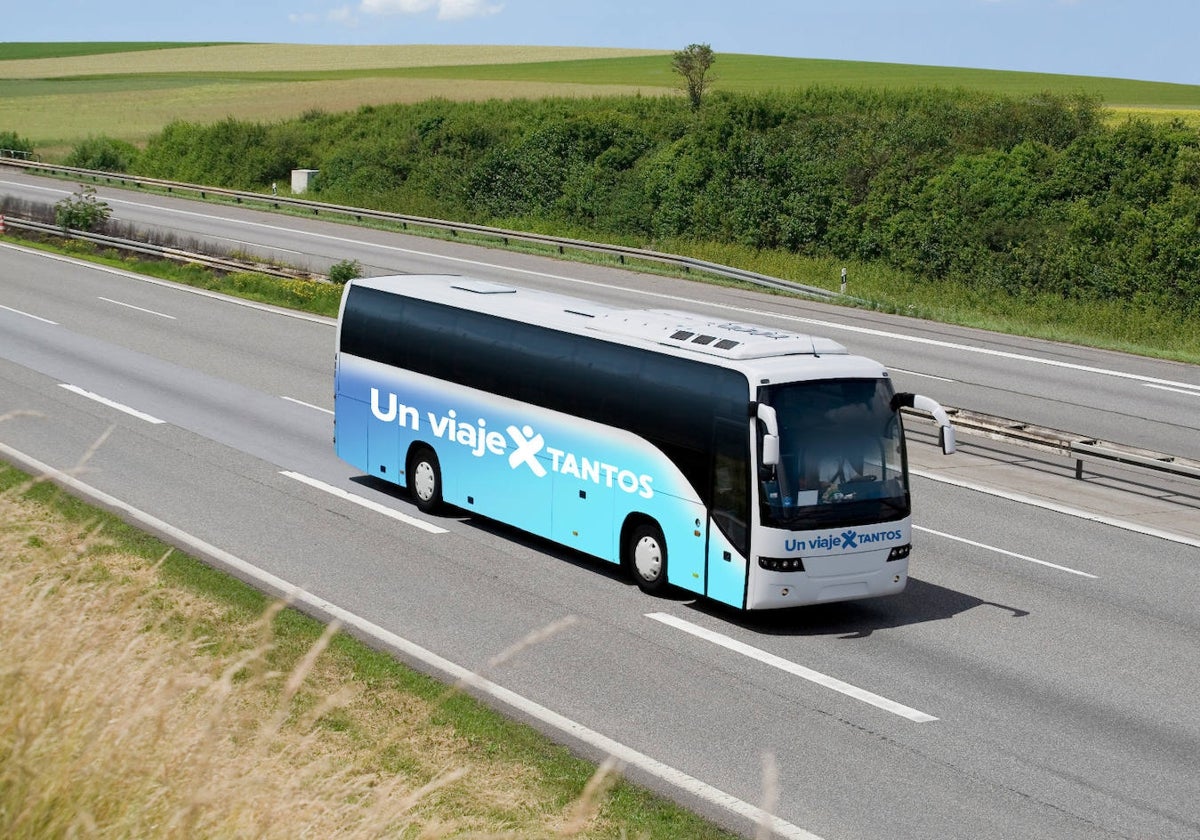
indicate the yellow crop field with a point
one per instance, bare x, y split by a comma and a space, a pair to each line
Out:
1188, 116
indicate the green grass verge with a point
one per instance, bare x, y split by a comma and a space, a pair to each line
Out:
1112, 324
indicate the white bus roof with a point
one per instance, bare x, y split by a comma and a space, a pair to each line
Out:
687, 333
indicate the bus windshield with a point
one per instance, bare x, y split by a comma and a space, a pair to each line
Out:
842, 459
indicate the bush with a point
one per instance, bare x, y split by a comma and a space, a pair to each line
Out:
103, 153
10, 143
1026, 194
81, 210
345, 271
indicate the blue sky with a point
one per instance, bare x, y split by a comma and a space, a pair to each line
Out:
1138, 39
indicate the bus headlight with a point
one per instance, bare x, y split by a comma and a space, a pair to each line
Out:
781, 564
900, 552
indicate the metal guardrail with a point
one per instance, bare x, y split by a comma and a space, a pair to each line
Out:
620, 252
1068, 444
222, 263
19, 154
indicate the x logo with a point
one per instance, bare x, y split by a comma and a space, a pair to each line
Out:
849, 539
528, 446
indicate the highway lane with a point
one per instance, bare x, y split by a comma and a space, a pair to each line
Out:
1063, 702
1111, 396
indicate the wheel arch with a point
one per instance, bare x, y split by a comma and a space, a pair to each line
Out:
632, 521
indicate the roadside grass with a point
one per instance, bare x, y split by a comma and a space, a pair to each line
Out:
144, 694
1112, 324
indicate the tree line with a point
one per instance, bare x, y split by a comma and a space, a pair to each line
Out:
1027, 194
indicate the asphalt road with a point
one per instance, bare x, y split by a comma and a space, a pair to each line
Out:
1110, 396
1037, 678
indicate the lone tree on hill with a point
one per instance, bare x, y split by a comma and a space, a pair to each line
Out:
693, 63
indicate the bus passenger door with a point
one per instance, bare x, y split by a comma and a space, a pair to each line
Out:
729, 523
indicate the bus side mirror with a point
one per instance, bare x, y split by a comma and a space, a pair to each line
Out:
945, 432
947, 439
770, 450
770, 441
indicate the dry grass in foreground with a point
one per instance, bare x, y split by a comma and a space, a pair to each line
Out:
131, 707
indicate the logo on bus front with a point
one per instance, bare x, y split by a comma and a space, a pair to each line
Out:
527, 446
846, 540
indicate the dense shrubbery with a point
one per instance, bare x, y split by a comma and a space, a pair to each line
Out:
1018, 194
104, 153
11, 142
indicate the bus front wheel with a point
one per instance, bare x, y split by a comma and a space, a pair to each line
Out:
425, 479
647, 551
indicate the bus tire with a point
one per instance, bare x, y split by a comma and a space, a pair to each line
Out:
425, 479
647, 553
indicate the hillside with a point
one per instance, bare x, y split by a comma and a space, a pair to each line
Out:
58, 94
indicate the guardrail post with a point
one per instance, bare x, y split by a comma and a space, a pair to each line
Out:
1079, 469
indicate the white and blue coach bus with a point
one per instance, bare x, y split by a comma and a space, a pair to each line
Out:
752, 466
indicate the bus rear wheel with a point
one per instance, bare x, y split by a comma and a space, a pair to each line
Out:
425, 479
647, 553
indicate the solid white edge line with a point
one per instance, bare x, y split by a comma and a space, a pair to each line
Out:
1064, 509
29, 315
923, 375
1184, 390
138, 308
782, 664
133, 412
307, 405
366, 503
1005, 551
365, 629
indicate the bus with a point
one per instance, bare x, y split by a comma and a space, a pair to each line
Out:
749, 465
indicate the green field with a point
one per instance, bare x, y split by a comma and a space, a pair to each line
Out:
58, 94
